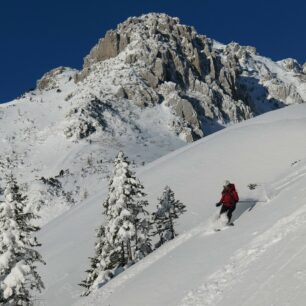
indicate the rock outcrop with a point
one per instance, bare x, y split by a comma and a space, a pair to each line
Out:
50, 80
196, 78
162, 51
154, 59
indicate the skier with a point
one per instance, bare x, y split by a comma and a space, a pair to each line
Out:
228, 200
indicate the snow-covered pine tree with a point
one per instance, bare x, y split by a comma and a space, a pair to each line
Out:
124, 238
124, 209
143, 229
168, 209
18, 259
103, 264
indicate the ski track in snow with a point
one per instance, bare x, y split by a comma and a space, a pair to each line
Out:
262, 285
211, 292
286, 183
278, 185
207, 228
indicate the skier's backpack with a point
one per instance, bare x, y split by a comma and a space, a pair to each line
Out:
234, 193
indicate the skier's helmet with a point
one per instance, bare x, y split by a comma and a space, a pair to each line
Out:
226, 183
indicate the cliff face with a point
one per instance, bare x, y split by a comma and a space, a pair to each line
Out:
175, 66
205, 84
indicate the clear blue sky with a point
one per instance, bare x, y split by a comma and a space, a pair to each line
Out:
36, 36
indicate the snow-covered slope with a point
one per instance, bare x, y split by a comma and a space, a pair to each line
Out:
259, 261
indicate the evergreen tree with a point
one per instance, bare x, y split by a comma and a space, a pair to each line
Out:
103, 264
18, 274
125, 212
143, 229
124, 238
168, 209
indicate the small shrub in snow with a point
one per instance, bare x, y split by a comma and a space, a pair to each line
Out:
252, 186
68, 97
168, 210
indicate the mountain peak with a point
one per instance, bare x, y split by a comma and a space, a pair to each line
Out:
151, 19
152, 26
204, 83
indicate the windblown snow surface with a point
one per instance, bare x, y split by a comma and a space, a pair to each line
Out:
261, 261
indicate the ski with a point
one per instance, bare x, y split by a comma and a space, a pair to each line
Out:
224, 227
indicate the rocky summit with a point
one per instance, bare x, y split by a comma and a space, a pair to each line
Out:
147, 87
205, 84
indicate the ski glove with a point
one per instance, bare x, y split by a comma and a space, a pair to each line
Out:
218, 204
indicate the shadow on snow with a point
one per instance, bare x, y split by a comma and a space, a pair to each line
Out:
243, 206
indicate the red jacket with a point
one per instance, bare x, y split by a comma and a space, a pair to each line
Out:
229, 196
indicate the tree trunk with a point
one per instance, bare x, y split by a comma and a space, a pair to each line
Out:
129, 251
171, 226
122, 254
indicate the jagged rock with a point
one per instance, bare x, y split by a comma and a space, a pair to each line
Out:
108, 47
270, 87
291, 64
141, 96
48, 81
95, 115
183, 57
151, 79
80, 129
168, 59
121, 93
183, 109
167, 88
284, 92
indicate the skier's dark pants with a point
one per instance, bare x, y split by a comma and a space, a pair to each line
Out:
228, 210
